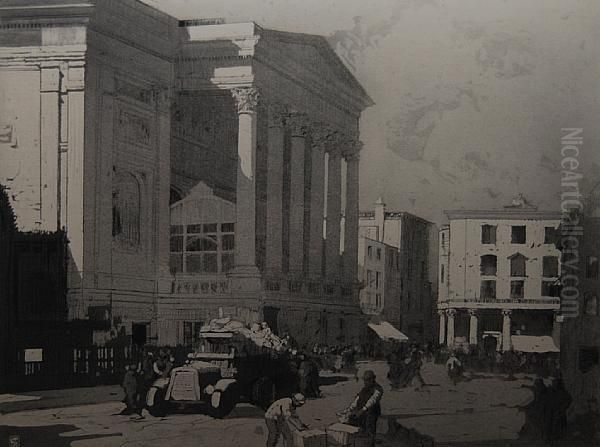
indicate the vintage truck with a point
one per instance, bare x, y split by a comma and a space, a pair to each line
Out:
227, 368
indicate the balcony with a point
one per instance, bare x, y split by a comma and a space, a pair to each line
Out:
541, 303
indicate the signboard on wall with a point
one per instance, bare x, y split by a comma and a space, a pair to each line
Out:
34, 355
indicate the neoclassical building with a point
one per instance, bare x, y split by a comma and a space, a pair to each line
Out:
499, 276
200, 169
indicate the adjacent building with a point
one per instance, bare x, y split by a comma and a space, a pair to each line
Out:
580, 337
498, 272
199, 169
398, 260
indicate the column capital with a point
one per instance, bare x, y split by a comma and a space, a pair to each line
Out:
451, 312
246, 98
277, 114
473, 312
320, 135
441, 313
506, 312
298, 123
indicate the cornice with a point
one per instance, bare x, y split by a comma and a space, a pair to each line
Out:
505, 214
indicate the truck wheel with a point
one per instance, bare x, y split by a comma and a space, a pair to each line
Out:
263, 392
223, 403
159, 405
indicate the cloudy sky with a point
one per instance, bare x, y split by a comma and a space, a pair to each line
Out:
470, 95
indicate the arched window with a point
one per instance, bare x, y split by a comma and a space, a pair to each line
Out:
126, 205
517, 265
489, 265
591, 304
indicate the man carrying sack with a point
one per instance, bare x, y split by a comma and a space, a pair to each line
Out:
280, 415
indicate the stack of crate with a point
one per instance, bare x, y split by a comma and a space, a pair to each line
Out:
343, 435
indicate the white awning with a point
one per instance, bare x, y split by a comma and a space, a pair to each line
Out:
530, 343
386, 331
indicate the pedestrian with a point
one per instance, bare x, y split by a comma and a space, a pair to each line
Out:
365, 409
534, 411
454, 368
280, 415
129, 385
558, 402
416, 363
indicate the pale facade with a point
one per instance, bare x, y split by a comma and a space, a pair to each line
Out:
498, 276
199, 170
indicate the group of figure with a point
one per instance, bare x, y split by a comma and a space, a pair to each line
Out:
546, 414
364, 411
139, 377
405, 365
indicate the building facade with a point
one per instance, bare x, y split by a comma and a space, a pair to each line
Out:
408, 264
498, 276
580, 338
198, 170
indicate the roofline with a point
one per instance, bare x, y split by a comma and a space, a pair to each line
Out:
503, 214
401, 214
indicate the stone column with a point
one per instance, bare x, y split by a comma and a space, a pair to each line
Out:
450, 313
506, 341
319, 136
245, 227
334, 205
275, 189
50, 86
298, 125
351, 224
473, 322
442, 334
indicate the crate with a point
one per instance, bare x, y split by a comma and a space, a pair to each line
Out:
309, 438
341, 435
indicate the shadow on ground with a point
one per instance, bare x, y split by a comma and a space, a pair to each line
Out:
46, 436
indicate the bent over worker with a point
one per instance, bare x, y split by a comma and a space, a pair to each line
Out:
279, 415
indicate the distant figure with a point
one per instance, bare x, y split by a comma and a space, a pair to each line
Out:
416, 363
130, 386
278, 417
534, 411
558, 400
365, 409
454, 368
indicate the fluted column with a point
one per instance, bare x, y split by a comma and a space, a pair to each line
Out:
319, 136
351, 224
245, 229
450, 313
298, 125
442, 334
334, 206
275, 189
473, 327
506, 341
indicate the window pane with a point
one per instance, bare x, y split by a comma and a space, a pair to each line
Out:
193, 263
209, 243
176, 263
176, 229
488, 289
227, 228
488, 265
176, 243
193, 243
517, 266
488, 234
227, 262
550, 268
517, 289
210, 228
210, 263
194, 229
549, 288
549, 235
228, 242
518, 235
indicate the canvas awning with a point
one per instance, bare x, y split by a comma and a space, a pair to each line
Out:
530, 343
386, 331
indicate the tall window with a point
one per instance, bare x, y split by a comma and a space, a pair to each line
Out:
549, 235
518, 234
489, 265
517, 290
550, 267
488, 234
191, 332
377, 280
488, 289
591, 267
126, 204
550, 288
378, 254
442, 274
517, 265
370, 251
202, 248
